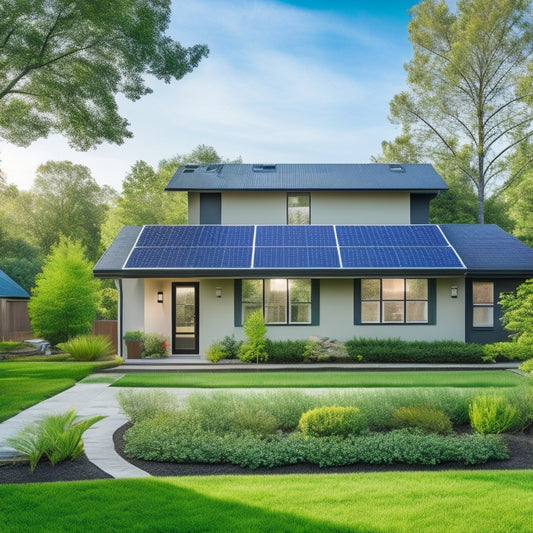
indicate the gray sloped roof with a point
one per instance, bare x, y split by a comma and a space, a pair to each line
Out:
294, 177
482, 250
487, 249
11, 289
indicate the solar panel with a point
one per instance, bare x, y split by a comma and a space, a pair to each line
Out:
161, 236
296, 257
174, 257
421, 235
295, 236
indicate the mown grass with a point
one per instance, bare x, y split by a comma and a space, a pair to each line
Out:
484, 378
483, 501
25, 383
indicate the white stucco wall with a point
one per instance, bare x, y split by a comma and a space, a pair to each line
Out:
327, 207
143, 312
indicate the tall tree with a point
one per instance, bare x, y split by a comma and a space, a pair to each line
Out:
65, 300
470, 86
63, 62
68, 202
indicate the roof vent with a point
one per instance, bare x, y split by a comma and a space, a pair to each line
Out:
189, 169
396, 168
264, 168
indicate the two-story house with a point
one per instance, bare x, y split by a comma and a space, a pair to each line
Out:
336, 250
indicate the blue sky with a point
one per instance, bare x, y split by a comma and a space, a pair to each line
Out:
293, 81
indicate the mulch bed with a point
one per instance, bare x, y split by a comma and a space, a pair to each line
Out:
520, 450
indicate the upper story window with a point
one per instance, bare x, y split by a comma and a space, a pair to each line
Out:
394, 301
299, 208
483, 303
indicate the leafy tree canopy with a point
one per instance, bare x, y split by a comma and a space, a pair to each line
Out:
63, 62
470, 86
66, 297
518, 312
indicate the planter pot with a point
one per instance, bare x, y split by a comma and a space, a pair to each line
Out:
135, 349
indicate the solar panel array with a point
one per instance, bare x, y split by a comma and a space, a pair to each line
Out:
292, 247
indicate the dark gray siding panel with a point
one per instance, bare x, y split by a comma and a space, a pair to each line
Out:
498, 332
420, 208
210, 208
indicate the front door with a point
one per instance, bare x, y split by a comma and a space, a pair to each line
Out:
185, 318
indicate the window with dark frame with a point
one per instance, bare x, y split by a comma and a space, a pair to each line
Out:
394, 301
298, 208
483, 304
283, 301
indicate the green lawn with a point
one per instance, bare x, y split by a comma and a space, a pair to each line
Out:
482, 501
25, 383
484, 378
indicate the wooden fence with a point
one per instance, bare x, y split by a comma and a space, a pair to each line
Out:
14, 320
109, 328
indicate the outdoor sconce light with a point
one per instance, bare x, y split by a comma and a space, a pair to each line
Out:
453, 291
218, 292
160, 297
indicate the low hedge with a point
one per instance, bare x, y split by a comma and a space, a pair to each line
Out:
155, 440
365, 350
285, 351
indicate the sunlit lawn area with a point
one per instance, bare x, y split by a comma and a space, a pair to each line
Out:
484, 378
483, 501
25, 383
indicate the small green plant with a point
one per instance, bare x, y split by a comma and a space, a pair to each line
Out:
253, 349
490, 413
88, 347
141, 405
526, 366
329, 421
133, 336
8, 346
56, 436
513, 351
155, 346
231, 346
427, 419
215, 352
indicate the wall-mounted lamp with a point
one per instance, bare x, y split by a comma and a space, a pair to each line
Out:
160, 297
218, 292
453, 291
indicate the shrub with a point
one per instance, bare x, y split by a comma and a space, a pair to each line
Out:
56, 436
253, 349
329, 421
493, 414
526, 366
166, 440
513, 351
518, 313
230, 346
285, 351
325, 351
88, 347
134, 336
215, 352
146, 404
424, 418
155, 346
398, 351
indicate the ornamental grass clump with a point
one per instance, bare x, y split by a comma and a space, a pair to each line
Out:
332, 421
58, 437
147, 404
424, 418
490, 413
88, 347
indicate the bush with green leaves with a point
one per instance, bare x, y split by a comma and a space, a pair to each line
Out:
215, 352
58, 437
230, 346
88, 347
155, 346
367, 350
161, 439
146, 404
285, 351
253, 348
526, 366
424, 418
490, 413
66, 296
332, 421
512, 351
517, 311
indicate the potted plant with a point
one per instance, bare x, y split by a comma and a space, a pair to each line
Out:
134, 344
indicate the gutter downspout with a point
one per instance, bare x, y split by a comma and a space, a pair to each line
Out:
118, 285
